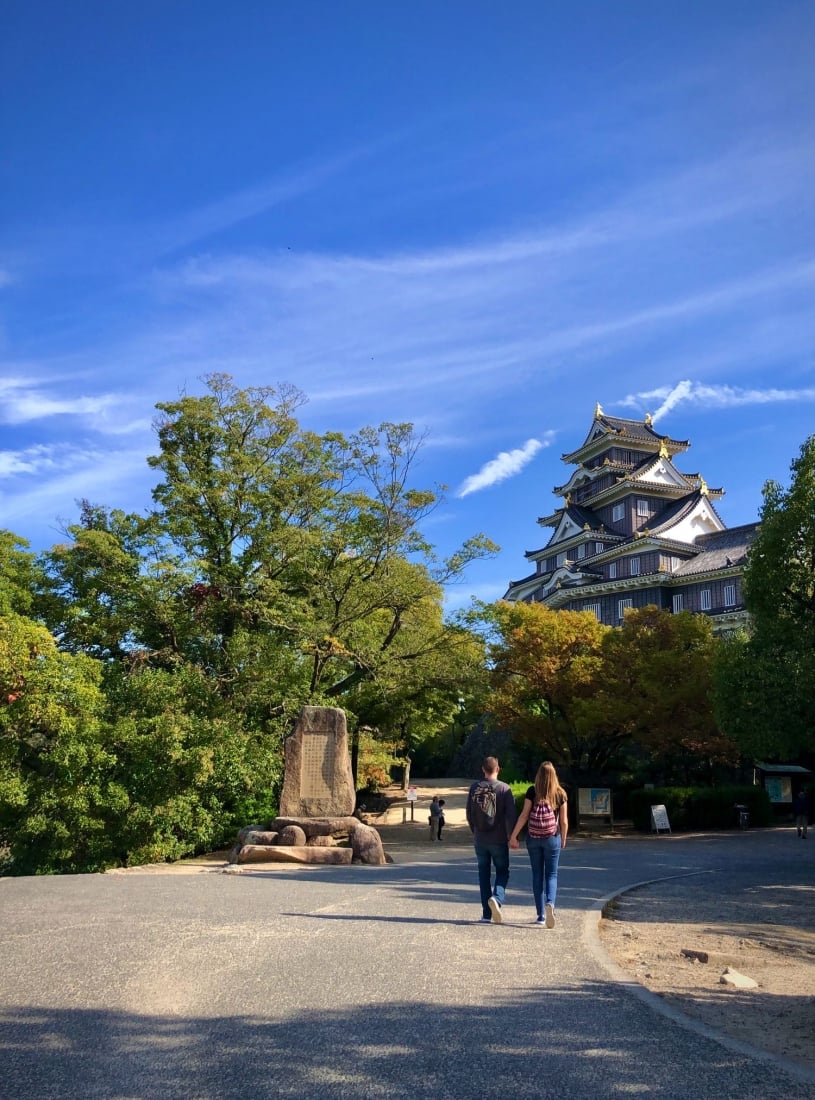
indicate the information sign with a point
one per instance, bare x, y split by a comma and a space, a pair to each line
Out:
594, 801
412, 794
659, 819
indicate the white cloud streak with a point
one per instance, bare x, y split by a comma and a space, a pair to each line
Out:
504, 465
713, 396
20, 403
48, 459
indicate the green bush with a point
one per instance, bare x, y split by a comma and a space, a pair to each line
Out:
700, 807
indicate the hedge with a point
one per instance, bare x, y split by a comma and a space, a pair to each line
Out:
700, 807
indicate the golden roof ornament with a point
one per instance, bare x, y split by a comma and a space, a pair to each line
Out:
703, 487
663, 448
649, 420
598, 410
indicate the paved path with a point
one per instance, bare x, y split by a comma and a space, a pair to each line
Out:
354, 983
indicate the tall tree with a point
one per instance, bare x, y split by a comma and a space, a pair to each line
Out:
764, 686
655, 690
544, 665
288, 566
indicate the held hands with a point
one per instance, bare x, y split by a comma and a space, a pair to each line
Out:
514, 842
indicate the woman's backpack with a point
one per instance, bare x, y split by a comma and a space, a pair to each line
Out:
542, 821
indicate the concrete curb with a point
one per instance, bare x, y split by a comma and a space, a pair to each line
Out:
591, 938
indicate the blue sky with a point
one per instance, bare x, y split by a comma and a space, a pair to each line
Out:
479, 217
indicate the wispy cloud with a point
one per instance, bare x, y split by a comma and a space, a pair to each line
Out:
21, 402
504, 465
48, 459
712, 396
42, 483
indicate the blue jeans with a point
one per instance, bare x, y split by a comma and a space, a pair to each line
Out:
544, 856
487, 855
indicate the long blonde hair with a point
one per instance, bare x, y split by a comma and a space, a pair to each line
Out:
547, 786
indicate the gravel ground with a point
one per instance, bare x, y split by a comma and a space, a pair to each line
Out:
764, 929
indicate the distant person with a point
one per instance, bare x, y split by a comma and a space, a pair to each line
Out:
547, 826
800, 809
436, 818
441, 819
491, 816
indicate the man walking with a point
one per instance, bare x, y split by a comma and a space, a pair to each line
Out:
491, 816
800, 809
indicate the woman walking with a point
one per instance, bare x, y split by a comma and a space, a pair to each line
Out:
547, 826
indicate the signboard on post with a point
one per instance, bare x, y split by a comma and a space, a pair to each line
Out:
594, 801
659, 820
412, 794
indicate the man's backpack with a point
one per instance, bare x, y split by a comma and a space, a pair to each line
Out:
542, 820
483, 806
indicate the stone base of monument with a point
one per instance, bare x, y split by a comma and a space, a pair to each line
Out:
326, 840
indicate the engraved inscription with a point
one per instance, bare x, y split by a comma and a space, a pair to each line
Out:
317, 766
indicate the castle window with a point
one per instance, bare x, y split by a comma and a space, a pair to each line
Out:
642, 508
581, 550
618, 512
678, 601
560, 559
595, 608
707, 603
634, 567
730, 595
622, 605
612, 570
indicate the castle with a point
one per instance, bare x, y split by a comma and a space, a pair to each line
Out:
633, 530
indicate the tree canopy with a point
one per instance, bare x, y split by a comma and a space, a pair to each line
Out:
581, 692
764, 683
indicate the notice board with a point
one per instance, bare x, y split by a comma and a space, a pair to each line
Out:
659, 820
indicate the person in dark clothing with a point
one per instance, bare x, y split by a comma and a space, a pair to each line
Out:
491, 816
800, 809
436, 817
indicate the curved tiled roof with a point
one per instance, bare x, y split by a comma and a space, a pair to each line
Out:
619, 428
720, 550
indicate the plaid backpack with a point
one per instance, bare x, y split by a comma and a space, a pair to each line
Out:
542, 820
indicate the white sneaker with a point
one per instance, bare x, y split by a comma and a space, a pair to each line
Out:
495, 909
550, 915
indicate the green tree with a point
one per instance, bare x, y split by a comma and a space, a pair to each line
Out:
764, 683
20, 577
60, 804
284, 566
654, 690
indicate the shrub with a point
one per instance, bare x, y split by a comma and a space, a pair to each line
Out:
700, 807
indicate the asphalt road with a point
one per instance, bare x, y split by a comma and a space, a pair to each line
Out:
356, 983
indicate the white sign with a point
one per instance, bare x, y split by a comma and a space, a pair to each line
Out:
659, 819
412, 794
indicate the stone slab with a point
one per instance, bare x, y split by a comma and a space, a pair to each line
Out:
317, 777
252, 853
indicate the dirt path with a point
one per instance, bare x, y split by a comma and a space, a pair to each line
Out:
764, 931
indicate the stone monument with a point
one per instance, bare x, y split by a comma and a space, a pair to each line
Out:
316, 822
317, 778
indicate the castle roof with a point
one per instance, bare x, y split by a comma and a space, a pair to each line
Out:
720, 550
618, 431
